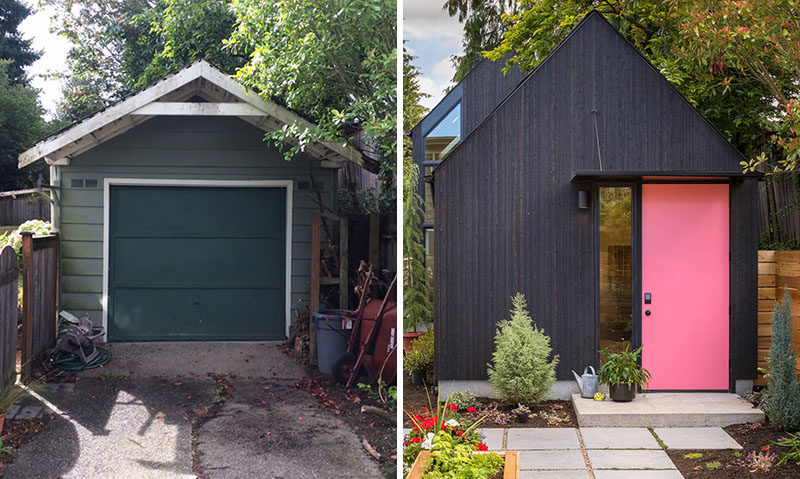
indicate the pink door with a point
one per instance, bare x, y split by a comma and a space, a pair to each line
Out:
685, 271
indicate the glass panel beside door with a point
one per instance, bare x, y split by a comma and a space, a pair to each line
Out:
616, 272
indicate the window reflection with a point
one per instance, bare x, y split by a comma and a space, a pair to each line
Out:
616, 294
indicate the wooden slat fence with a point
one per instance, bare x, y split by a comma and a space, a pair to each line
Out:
9, 278
17, 207
776, 270
40, 298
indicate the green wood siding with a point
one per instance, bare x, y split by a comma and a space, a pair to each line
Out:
199, 148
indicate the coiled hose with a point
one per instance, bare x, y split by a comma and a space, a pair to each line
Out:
73, 362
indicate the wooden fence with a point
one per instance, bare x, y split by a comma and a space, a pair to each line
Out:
776, 270
17, 207
39, 309
778, 202
9, 277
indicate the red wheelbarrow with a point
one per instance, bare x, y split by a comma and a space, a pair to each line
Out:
372, 346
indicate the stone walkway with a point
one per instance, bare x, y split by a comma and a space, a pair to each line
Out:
602, 452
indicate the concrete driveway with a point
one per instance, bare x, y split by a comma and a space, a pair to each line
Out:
129, 424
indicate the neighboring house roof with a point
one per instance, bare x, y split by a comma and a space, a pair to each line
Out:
172, 95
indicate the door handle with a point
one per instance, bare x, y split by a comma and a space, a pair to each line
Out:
647, 313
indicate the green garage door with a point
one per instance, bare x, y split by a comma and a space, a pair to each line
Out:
196, 263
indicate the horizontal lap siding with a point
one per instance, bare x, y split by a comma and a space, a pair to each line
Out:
506, 212
175, 148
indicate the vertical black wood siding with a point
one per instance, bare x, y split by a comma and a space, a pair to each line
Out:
507, 217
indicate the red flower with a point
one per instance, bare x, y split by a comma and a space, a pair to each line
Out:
416, 440
765, 448
452, 407
460, 433
471, 409
482, 447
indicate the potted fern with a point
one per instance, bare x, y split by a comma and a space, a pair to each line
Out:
623, 373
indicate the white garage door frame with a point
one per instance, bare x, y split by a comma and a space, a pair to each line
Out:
109, 182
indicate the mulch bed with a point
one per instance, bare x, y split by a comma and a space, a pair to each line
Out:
16, 432
732, 464
545, 414
379, 432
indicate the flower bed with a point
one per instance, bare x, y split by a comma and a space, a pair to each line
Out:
510, 468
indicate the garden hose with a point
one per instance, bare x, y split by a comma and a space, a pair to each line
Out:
72, 362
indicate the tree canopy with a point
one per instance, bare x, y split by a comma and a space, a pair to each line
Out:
13, 47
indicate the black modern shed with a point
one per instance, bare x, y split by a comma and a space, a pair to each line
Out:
593, 187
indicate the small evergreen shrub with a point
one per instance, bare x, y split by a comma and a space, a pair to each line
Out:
419, 358
520, 372
781, 402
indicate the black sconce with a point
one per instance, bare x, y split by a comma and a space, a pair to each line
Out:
583, 199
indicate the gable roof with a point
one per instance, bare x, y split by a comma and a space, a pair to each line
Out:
171, 96
594, 20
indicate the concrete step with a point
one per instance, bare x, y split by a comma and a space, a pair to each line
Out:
667, 410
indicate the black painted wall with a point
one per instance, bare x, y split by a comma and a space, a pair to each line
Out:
506, 212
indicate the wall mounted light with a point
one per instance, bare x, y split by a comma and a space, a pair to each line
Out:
583, 199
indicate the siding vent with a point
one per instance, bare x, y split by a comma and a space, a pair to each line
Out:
83, 183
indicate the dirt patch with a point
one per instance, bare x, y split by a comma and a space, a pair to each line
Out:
545, 414
16, 432
379, 432
735, 464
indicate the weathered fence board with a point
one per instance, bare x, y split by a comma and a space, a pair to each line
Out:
9, 277
40, 299
17, 207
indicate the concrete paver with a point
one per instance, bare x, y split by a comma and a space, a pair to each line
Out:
552, 459
629, 459
493, 438
542, 438
554, 474
618, 438
696, 438
637, 474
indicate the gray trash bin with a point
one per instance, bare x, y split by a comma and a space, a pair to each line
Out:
331, 338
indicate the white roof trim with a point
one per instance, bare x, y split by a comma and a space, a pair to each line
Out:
126, 114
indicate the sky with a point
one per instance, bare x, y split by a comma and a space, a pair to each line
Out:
54, 51
433, 37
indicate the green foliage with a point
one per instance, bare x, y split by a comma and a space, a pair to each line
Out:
713, 465
13, 48
451, 459
417, 290
793, 454
120, 46
6, 449
520, 372
419, 358
693, 455
739, 106
335, 64
483, 29
781, 401
21, 125
463, 399
623, 368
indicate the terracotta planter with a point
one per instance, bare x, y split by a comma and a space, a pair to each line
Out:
510, 470
622, 392
407, 338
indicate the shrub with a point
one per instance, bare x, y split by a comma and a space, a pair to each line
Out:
781, 402
521, 372
420, 358
464, 399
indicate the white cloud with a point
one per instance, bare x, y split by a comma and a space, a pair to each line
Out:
443, 68
54, 57
427, 20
